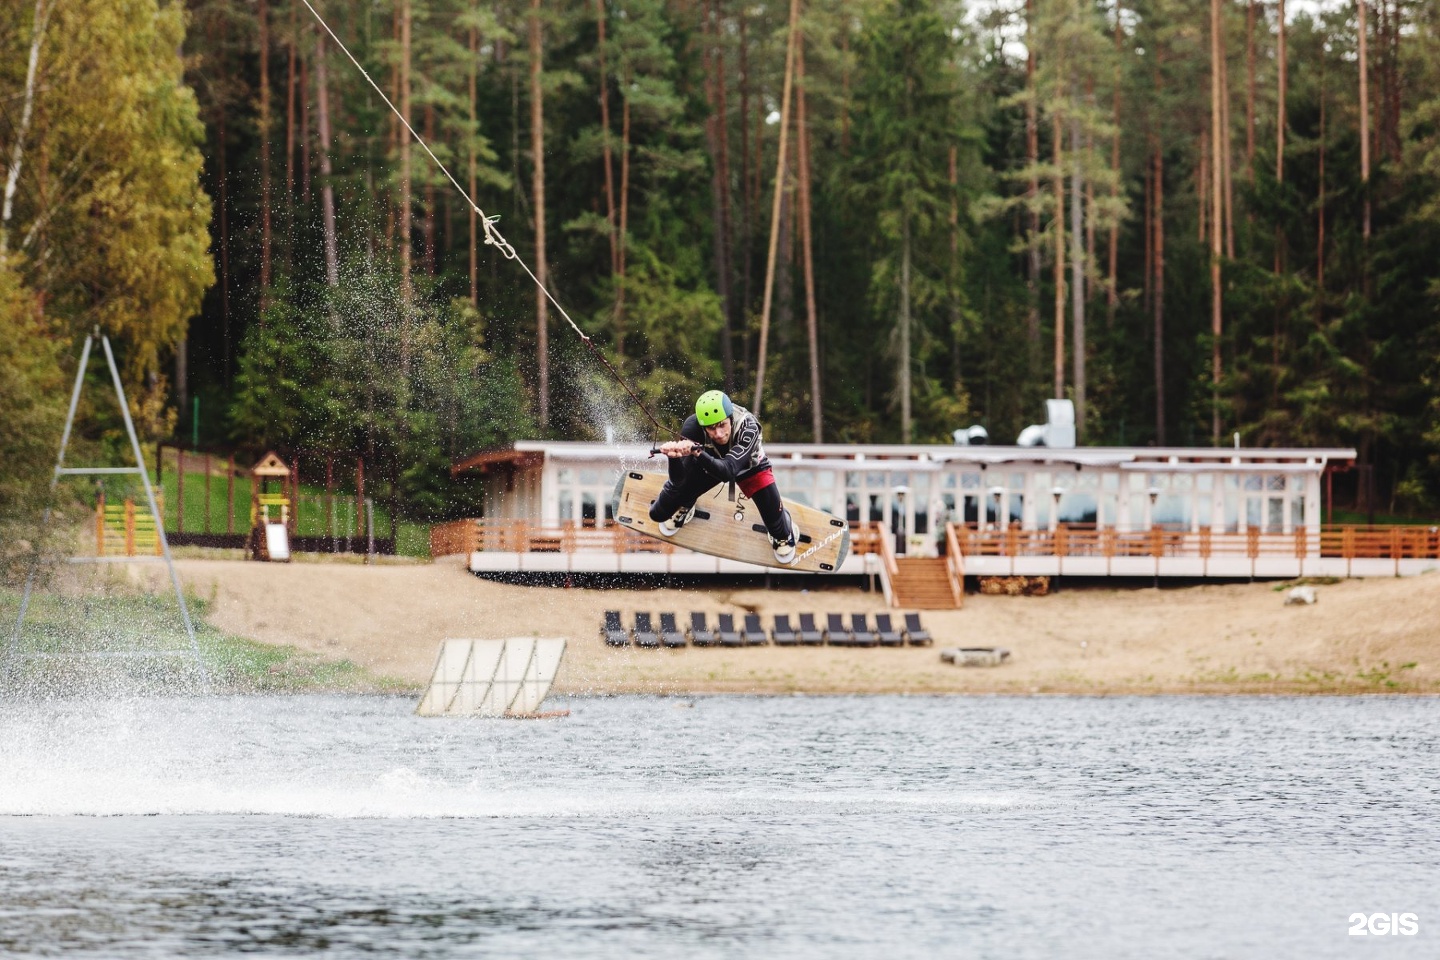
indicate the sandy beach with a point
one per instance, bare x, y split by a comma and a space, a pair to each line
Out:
1376, 636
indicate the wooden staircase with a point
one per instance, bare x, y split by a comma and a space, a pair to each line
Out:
922, 583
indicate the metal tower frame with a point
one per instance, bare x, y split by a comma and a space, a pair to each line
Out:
61, 470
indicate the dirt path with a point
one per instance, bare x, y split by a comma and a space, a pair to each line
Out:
1362, 636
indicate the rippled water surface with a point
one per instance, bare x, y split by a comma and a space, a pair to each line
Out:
721, 827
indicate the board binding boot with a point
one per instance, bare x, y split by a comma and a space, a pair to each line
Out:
672, 526
785, 549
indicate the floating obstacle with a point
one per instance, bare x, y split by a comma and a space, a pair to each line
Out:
493, 678
975, 656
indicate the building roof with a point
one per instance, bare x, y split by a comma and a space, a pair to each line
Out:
488, 460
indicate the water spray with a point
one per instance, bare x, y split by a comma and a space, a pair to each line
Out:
493, 237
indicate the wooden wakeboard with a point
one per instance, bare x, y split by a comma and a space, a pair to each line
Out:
822, 545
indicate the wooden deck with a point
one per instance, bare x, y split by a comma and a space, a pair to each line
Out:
1339, 550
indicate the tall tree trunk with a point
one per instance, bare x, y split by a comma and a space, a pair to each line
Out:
734, 312
1202, 187
1059, 226
812, 320
1112, 286
600, 18
1283, 76
224, 212
428, 227
327, 187
624, 218
403, 215
304, 129
1364, 123
263, 16
1032, 161
1078, 262
747, 202
904, 359
290, 124
537, 150
1158, 302
955, 315
1390, 94
392, 123
1282, 69
27, 110
1147, 292
1225, 152
1089, 202
1320, 205
474, 46
775, 206
1217, 213
1249, 90
715, 134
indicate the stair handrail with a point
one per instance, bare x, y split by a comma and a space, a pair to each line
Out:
889, 567
955, 565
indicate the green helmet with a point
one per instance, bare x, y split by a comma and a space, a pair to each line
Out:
712, 407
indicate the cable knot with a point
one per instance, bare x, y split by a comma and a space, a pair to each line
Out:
494, 238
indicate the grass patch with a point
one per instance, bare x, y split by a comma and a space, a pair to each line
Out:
116, 638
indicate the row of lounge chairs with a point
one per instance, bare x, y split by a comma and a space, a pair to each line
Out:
751, 632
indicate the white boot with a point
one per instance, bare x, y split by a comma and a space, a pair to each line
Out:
785, 549
670, 527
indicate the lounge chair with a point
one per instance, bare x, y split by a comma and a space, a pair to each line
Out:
784, 635
864, 636
836, 633
754, 632
613, 632
645, 635
810, 635
916, 634
670, 634
700, 634
729, 636
888, 635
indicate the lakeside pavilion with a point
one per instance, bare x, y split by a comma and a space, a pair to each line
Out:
982, 510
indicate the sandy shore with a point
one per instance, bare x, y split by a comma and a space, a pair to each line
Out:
1374, 636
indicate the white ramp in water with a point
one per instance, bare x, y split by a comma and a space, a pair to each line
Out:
492, 678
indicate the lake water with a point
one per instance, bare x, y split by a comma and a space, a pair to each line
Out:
720, 827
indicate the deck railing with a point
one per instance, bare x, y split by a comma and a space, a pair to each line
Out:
1348, 542
528, 536
1351, 542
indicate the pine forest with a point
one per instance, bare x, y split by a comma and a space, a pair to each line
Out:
871, 221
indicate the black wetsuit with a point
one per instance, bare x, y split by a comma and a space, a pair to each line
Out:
742, 459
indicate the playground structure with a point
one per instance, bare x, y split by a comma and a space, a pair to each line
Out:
271, 521
123, 531
214, 501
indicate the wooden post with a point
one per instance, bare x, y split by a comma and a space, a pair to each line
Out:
359, 497
295, 498
207, 492
230, 495
179, 490
100, 524
129, 527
